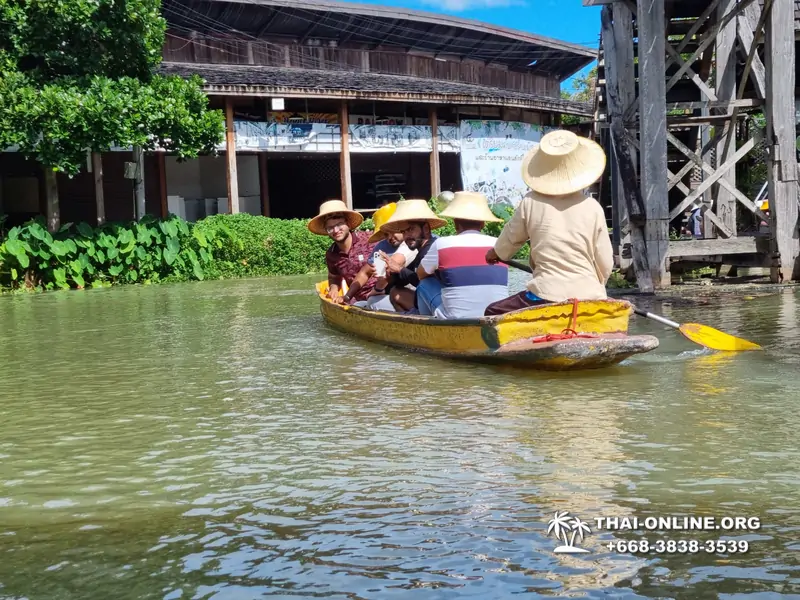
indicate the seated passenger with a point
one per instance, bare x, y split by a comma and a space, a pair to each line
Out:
455, 281
349, 251
571, 251
415, 220
388, 247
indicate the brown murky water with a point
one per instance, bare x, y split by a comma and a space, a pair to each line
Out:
217, 440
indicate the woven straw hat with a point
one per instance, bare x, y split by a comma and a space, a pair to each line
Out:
412, 210
334, 207
379, 217
471, 206
563, 164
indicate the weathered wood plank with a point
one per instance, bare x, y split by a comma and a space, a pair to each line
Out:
633, 200
653, 135
99, 199
344, 155
731, 187
623, 70
263, 183
748, 24
734, 245
708, 39
436, 179
51, 198
231, 171
709, 93
162, 183
707, 183
725, 80
720, 105
138, 182
782, 162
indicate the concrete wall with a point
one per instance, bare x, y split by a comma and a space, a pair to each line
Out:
204, 178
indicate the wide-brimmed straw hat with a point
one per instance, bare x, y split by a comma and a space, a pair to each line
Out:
563, 163
379, 217
329, 209
412, 210
470, 206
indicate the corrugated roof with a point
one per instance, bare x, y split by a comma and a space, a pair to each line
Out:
367, 25
344, 84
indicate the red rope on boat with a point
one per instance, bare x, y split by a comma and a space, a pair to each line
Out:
568, 333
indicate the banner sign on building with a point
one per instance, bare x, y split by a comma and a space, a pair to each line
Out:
399, 138
491, 157
286, 137
256, 136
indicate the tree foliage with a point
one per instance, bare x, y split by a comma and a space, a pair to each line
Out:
79, 75
583, 90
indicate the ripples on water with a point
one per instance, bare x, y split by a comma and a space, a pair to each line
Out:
216, 440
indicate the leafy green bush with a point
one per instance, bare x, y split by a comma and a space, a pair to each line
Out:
79, 256
155, 250
257, 246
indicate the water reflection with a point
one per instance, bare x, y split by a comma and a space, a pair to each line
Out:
218, 440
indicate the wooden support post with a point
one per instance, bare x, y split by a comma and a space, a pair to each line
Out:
782, 161
263, 183
138, 182
617, 33
344, 155
231, 172
725, 83
51, 198
622, 149
653, 135
162, 183
436, 179
99, 199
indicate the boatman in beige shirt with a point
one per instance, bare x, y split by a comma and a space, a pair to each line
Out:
571, 251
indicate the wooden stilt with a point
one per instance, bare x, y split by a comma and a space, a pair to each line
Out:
653, 135
162, 183
344, 155
724, 201
231, 172
138, 182
782, 160
263, 181
51, 198
436, 179
617, 34
99, 199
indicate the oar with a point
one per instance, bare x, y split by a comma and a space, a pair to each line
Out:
699, 334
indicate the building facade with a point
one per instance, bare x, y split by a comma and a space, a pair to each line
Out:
326, 100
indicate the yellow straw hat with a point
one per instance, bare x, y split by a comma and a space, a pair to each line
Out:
412, 210
563, 163
470, 206
330, 208
379, 217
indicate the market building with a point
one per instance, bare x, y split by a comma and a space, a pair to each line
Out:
419, 93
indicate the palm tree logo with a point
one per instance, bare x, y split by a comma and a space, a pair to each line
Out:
567, 528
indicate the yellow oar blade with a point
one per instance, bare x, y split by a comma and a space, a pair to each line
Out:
715, 339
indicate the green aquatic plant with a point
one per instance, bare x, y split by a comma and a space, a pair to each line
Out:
79, 256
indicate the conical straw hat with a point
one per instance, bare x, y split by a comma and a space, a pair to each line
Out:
471, 206
380, 217
563, 164
412, 210
333, 207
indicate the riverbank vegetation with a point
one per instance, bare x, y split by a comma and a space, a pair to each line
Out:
169, 250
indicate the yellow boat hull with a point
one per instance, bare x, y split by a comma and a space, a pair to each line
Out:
508, 338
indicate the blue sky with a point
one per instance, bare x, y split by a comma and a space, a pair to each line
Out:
566, 20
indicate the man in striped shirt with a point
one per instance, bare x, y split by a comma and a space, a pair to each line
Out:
456, 282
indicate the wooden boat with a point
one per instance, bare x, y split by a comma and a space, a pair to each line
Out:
536, 338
